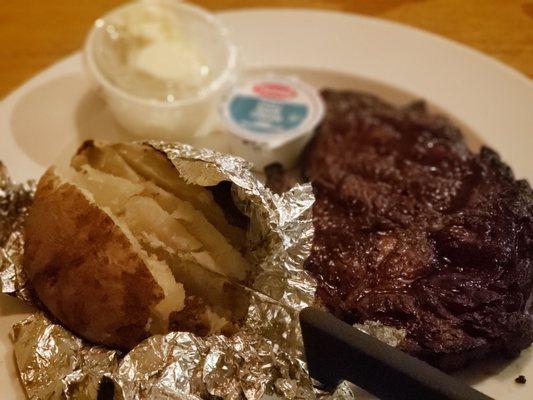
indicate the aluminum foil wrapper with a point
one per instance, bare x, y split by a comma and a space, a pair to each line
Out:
262, 361
387, 334
53, 362
14, 202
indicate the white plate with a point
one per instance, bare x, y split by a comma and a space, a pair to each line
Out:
45, 119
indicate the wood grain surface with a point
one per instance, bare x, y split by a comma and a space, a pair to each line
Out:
35, 33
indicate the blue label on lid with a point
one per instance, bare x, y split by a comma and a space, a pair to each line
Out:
266, 116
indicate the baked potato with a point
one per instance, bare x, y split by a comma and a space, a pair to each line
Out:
119, 247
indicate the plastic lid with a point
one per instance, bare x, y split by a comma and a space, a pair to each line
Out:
270, 118
271, 109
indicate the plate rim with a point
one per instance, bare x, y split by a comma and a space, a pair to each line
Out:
506, 68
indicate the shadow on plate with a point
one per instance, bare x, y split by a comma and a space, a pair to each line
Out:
94, 121
64, 112
10, 305
322, 78
499, 369
43, 136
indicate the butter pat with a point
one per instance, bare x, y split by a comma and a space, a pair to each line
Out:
271, 118
147, 23
153, 51
171, 61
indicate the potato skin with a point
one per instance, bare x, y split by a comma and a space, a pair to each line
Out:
84, 269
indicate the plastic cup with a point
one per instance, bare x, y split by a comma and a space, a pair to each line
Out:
184, 117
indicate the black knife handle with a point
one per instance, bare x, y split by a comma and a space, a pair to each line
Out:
336, 351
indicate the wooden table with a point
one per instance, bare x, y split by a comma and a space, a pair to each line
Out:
34, 34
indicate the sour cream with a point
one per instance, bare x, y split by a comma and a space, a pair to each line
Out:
151, 51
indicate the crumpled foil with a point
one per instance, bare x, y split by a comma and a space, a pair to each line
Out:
53, 361
262, 361
14, 202
387, 334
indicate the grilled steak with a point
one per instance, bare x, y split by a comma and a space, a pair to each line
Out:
414, 230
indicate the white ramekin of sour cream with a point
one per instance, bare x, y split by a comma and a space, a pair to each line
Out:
161, 67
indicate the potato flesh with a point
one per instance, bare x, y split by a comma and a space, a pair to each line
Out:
107, 190
152, 166
174, 295
144, 216
150, 211
219, 255
173, 234
105, 159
